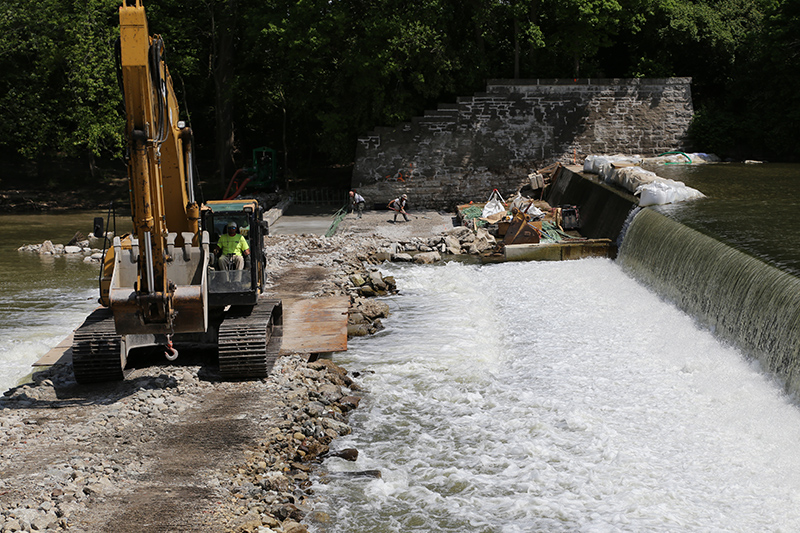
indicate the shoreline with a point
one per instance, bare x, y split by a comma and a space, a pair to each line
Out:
175, 448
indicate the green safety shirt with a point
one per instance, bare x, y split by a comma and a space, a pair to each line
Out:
233, 245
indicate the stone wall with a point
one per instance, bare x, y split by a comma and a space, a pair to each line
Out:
460, 152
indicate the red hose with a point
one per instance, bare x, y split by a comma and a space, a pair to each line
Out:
238, 191
225, 196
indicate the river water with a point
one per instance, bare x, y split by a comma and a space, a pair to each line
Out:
569, 397
525, 396
750, 206
42, 298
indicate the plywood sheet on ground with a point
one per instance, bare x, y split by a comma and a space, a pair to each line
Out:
315, 325
62, 353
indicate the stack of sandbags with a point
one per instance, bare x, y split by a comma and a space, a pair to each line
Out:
604, 165
624, 172
664, 191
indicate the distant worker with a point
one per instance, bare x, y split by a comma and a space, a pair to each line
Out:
233, 247
398, 205
356, 203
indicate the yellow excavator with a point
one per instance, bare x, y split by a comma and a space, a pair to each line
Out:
163, 284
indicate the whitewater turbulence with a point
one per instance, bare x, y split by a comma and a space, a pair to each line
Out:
558, 397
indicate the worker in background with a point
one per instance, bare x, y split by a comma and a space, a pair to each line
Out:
398, 205
233, 247
356, 203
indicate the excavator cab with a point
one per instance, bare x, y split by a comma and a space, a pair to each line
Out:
235, 287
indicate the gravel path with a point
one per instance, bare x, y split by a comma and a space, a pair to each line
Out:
173, 448
422, 225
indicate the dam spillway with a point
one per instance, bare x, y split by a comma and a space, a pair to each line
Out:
742, 299
558, 396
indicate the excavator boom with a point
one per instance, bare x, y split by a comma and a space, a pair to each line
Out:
168, 294
162, 281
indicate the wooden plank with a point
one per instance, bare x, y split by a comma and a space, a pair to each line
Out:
559, 251
315, 325
60, 354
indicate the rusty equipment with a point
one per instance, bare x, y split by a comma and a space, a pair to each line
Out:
522, 229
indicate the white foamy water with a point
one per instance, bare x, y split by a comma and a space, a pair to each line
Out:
43, 298
558, 397
32, 322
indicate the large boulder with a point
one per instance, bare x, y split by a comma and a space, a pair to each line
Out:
371, 309
433, 242
357, 280
427, 258
453, 245
462, 233
376, 280
47, 248
483, 241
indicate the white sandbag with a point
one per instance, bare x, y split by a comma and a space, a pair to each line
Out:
680, 158
534, 212
652, 194
494, 205
664, 191
588, 163
519, 201
596, 164
606, 171
525, 205
698, 157
631, 178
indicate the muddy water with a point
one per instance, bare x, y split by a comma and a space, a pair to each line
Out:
42, 298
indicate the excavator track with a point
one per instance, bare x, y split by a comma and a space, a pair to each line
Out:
250, 339
97, 349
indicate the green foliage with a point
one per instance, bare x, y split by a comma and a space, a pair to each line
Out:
57, 80
583, 27
308, 76
715, 130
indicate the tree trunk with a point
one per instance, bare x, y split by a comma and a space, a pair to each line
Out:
223, 72
480, 41
285, 145
577, 65
516, 48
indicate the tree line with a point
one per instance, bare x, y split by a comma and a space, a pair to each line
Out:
306, 77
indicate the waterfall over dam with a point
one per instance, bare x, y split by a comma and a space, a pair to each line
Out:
560, 397
742, 299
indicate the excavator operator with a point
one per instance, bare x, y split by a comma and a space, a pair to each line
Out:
233, 248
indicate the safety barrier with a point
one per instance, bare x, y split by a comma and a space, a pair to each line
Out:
319, 196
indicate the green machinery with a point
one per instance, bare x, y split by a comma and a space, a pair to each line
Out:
262, 175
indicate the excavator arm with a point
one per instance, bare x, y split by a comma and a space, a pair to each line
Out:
167, 293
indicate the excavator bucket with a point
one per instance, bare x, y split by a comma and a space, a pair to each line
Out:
522, 230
